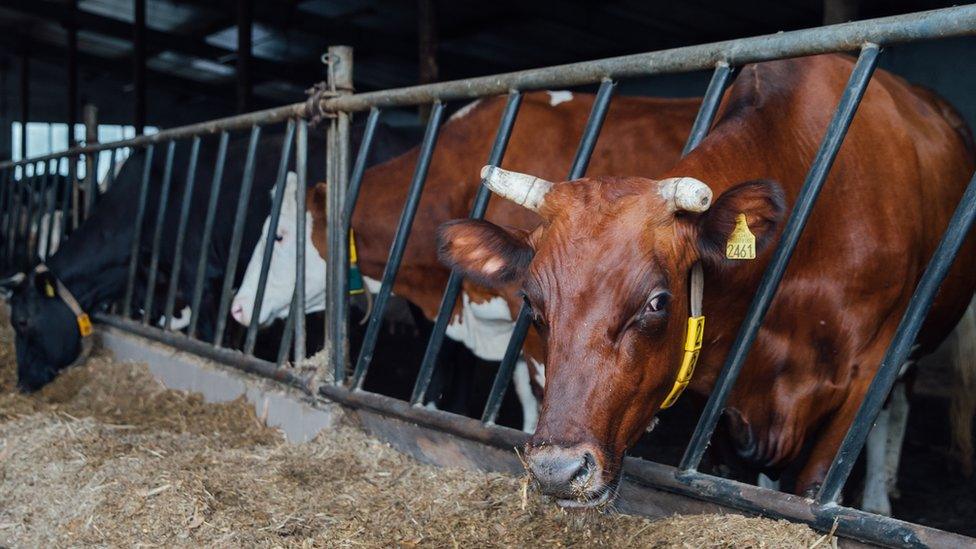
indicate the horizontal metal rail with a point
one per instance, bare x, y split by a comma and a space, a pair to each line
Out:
885, 31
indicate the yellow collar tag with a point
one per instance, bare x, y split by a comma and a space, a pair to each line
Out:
742, 243
49, 290
693, 345
84, 325
352, 248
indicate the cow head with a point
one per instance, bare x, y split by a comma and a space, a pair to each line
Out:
606, 277
281, 274
47, 334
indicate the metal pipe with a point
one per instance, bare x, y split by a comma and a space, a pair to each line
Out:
51, 210
301, 173
933, 24
158, 234
174, 277
359, 168
90, 114
829, 147
270, 238
208, 224
399, 243
885, 31
337, 169
446, 310
289, 331
230, 270
139, 65
721, 77
209, 127
229, 357
901, 345
130, 283
598, 113
66, 198
503, 377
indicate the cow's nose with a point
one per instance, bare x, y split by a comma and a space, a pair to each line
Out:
240, 314
561, 472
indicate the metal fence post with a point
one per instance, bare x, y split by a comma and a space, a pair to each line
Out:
337, 168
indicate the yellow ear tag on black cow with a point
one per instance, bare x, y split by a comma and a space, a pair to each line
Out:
49, 290
742, 243
84, 325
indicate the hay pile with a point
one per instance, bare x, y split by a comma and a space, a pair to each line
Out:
107, 456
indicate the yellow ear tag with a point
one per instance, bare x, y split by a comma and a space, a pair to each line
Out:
742, 243
48, 289
84, 325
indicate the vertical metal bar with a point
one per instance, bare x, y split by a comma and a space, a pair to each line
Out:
174, 276
90, 114
301, 172
901, 345
36, 190
580, 162
269, 237
709, 107
12, 220
158, 234
111, 170
208, 224
829, 147
337, 262
65, 197
399, 243
446, 310
51, 210
25, 95
504, 375
286, 336
227, 290
359, 168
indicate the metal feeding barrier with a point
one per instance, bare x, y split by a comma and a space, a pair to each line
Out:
28, 191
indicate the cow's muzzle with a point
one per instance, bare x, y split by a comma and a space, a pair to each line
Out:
573, 475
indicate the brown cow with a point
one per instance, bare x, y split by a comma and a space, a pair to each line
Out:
607, 274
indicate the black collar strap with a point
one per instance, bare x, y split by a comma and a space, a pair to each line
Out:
81, 318
693, 336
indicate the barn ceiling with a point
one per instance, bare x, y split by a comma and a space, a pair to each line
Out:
191, 43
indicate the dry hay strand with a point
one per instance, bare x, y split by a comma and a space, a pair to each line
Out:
106, 456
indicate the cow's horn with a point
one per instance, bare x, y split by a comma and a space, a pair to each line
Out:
524, 190
686, 193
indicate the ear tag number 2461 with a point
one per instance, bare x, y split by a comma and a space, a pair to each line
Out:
742, 243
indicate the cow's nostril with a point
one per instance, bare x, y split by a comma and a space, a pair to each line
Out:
585, 470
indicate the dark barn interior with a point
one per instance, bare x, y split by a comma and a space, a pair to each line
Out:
155, 64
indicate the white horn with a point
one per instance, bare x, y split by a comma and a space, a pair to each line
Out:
685, 193
525, 190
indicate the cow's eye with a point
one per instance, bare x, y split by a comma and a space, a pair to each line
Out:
658, 303
279, 237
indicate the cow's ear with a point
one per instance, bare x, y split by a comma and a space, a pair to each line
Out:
483, 252
762, 203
